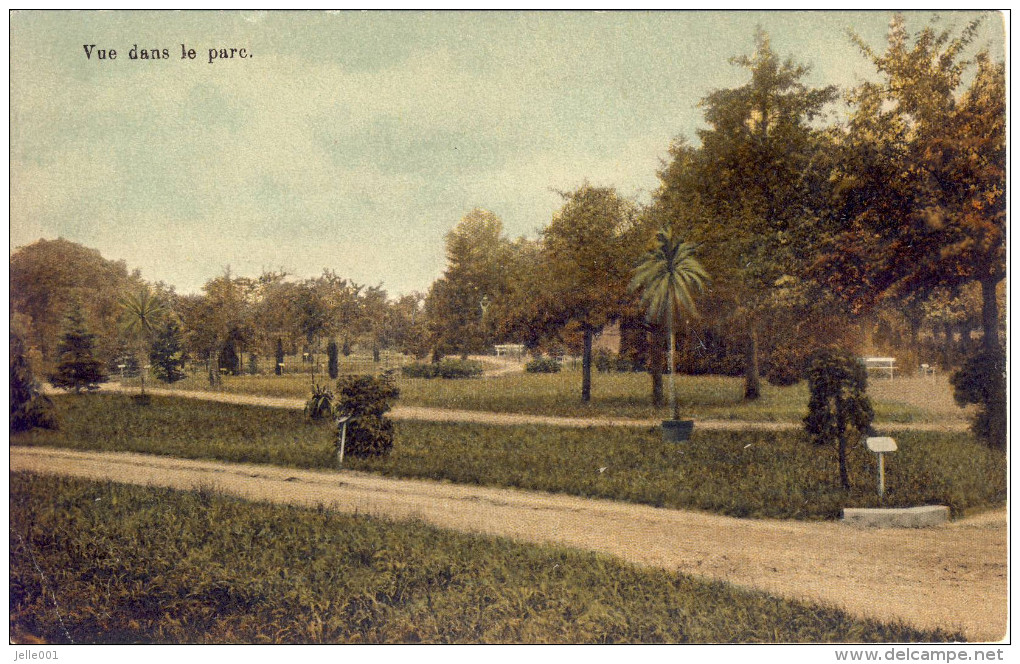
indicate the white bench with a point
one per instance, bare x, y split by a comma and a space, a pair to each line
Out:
509, 349
885, 366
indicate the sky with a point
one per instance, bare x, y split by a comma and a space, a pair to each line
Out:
355, 141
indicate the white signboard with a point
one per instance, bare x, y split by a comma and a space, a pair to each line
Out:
881, 444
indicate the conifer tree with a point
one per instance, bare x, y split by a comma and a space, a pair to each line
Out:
78, 369
167, 353
29, 407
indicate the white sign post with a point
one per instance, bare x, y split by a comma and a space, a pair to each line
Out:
341, 422
880, 445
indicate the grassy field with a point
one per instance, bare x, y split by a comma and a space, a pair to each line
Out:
124, 564
613, 395
747, 474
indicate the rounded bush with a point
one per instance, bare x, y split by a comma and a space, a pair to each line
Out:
447, 368
785, 368
543, 365
982, 380
366, 399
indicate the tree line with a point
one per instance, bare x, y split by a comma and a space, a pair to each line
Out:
853, 232
880, 227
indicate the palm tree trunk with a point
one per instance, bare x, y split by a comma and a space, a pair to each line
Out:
141, 368
672, 365
586, 366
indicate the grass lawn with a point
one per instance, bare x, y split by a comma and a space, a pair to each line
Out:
746, 474
130, 564
613, 395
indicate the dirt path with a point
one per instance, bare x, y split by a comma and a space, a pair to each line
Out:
497, 366
506, 419
953, 576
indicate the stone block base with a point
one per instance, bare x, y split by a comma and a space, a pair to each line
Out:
896, 517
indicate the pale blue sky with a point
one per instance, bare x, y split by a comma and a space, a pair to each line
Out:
356, 140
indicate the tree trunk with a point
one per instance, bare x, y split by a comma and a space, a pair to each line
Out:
672, 365
990, 315
752, 382
963, 345
915, 329
586, 365
947, 345
656, 362
141, 372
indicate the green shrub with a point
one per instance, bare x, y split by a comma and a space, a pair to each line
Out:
982, 381
839, 399
367, 399
446, 368
606, 362
603, 361
543, 365
454, 368
785, 367
420, 370
30, 408
624, 364
320, 405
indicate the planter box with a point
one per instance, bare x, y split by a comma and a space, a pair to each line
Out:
677, 431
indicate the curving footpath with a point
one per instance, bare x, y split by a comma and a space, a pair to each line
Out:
432, 414
952, 576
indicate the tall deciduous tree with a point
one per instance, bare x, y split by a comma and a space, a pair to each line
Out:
47, 276
222, 315
477, 257
587, 260
752, 186
922, 175
374, 307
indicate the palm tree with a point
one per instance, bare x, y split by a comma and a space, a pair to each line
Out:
666, 276
142, 313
